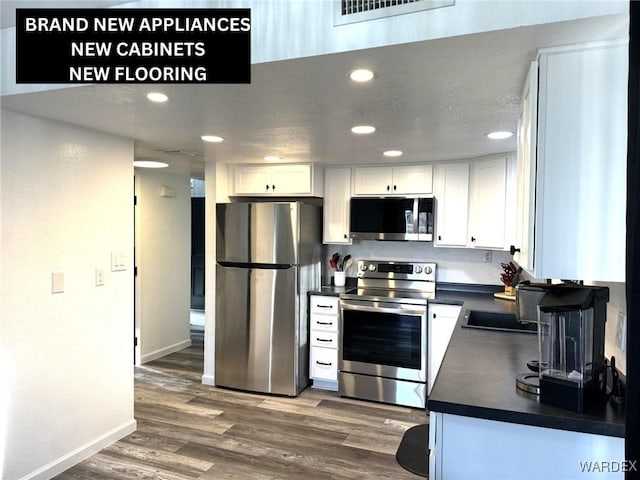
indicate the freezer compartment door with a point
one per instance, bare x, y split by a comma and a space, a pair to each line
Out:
264, 233
257, 336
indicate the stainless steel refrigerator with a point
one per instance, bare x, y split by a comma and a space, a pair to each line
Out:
268, 258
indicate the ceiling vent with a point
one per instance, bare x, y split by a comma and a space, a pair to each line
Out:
352, 11
179, 152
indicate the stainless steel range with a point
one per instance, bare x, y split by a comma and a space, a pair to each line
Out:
383, 341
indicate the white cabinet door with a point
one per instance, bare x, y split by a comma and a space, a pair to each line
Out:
372, 180
442, 321
277, 180
497, 450
337, 193
291, 179
412, 179
582, 149
251, 179
399, 180
452, 204
526, 172
488, 208
324, 364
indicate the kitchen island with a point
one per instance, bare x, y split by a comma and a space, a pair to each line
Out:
482, 426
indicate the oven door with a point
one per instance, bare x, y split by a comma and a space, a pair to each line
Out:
383, 339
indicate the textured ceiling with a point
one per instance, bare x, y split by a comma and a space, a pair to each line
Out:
434, 100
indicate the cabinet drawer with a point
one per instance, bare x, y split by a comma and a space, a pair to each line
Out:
320, 338
324, 363
324, 322
324, 304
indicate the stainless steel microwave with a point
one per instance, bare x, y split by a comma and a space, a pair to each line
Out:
392, 218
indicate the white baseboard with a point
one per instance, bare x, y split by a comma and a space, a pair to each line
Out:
83, 452
208, 380
165, 351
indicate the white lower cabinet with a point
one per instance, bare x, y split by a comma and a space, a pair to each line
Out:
468, 447
323, 361
442, 321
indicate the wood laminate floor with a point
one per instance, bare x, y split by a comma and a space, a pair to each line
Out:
187, 430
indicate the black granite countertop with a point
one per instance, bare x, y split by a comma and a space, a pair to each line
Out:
477, 376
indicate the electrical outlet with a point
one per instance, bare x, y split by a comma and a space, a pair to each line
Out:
487, 256
621, 332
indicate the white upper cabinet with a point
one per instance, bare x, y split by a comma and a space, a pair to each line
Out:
489, 204
397, 180
475, 203
580, 195
452, 204
337, 193
522, 250
277, 180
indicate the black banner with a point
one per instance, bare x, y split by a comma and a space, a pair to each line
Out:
133, 45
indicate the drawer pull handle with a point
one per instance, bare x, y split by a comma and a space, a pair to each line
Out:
324, 340
324, 323
324, 306
323, 363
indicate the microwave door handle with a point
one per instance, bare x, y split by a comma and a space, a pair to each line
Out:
416, 215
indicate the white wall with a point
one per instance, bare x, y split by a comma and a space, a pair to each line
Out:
163, 257
67, 371
215, 179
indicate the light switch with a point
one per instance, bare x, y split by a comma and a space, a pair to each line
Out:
118, 261
99, 277
57, 282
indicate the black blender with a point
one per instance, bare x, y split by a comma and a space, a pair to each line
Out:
571, 331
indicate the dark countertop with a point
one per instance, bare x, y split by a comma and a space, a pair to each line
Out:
330, 290
477, 376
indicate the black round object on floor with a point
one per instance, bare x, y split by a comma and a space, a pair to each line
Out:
413, 451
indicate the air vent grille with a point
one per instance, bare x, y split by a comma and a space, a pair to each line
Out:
351, 11
357, 6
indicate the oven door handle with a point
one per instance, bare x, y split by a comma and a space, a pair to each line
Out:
381, 307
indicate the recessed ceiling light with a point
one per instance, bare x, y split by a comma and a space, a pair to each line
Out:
272, 158
212, 138
361, 75
500, 135
149, 164
157, 97
392, 153
363, 129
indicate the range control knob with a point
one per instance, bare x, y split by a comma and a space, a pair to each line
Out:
372, 267
418, 269
363, 267
428, 270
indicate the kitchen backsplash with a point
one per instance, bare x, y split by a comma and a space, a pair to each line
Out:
454, 265
461, 265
